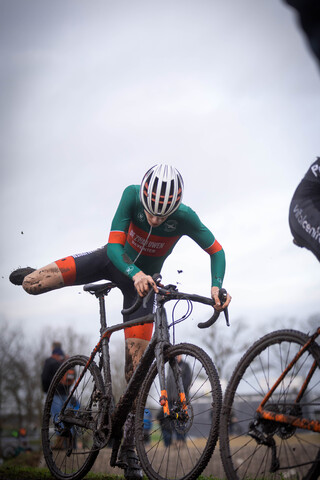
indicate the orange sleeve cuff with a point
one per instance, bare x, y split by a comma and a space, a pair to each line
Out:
117, 237
214, 248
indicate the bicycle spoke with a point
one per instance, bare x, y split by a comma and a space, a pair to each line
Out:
252, 447
183, 445
69, 446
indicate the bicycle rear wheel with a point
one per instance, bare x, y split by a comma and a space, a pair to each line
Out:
179, 447
70, 448
255, 448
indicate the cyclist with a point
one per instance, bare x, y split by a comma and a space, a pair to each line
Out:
304, 212
149, 221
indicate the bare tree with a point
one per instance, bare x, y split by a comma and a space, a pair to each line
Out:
226, 345
22, 360
11, 377
301, 323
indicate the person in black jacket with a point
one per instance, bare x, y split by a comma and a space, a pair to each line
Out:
304, 212
50, 367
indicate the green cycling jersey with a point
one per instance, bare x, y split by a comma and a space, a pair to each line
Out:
134, 246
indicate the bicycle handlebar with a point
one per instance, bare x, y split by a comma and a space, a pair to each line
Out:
215, 316
135, 305
142, 300
170, 292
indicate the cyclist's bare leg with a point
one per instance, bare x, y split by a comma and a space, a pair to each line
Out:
134, 351
57, 274
135, 348
43, 280
137, 340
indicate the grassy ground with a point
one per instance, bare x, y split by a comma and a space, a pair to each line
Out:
25, 467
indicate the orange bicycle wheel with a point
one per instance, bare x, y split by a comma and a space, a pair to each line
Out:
252, 447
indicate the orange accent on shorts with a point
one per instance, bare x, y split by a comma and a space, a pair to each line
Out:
214, 248
139, 331
67, 267
117, 237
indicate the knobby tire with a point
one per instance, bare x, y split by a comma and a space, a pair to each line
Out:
69, 450
193, 439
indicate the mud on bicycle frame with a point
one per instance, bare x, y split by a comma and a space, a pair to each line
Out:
185, 416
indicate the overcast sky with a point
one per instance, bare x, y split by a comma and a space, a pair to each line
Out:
94, 93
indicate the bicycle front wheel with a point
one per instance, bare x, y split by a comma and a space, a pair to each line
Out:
252, 447
69, 447
180, 446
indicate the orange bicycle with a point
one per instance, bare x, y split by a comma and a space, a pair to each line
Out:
270, 424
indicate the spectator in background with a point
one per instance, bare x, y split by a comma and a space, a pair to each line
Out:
147, 424
51, 365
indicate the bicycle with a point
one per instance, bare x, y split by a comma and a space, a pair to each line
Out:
269, 427
87, 420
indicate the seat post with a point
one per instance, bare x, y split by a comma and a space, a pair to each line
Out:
102, 307
105, 346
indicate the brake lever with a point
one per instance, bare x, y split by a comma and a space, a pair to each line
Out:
226, 314
223, 297
215, 316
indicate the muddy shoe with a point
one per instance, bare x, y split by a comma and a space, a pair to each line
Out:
128, 460
17, 276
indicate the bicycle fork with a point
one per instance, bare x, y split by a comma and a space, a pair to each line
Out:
182, 412
163, 400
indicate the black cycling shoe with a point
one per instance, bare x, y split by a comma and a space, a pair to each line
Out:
128, 460
17, 276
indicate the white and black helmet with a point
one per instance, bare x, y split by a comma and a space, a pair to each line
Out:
161, 190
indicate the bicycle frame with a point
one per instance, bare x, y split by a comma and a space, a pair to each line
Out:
303, 423
159, 341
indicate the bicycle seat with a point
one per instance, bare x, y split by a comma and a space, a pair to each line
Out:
99, 288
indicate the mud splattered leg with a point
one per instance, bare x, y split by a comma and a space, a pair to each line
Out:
43, 280
135, 348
